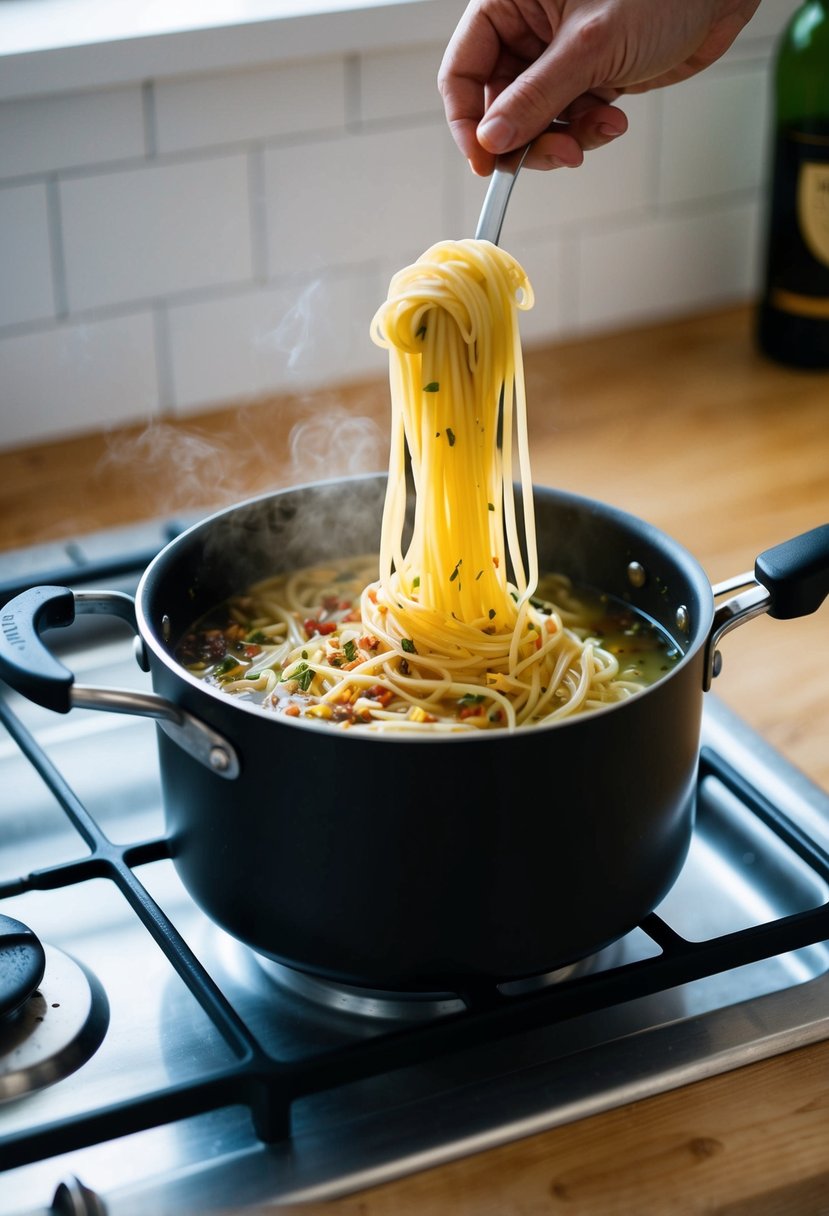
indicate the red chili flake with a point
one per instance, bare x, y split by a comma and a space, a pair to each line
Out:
312, 626
378, 692
470, 711
251, 650
369, 642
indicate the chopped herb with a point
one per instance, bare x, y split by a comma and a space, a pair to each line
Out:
408, 645
490, 506
227, 664
431, 387
456, 571
305, 654
450, 435
421, 333
416, 581
256, 635
252, 675
303, 676
471, 698
350, 650
478, 575
491, 613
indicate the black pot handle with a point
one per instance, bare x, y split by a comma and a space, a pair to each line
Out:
790, 580
25, 662
796, 574
28, 666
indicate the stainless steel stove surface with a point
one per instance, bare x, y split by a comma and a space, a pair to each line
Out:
170, 1070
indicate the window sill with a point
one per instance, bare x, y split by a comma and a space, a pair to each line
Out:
56, 46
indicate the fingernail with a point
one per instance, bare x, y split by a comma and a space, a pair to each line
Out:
498, 132
609, 132
555, 162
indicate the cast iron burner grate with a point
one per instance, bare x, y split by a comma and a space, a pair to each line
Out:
269, 1087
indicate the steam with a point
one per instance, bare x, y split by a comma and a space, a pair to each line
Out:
331, 442
292, 335
173, 468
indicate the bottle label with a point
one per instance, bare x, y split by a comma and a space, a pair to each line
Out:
813, 208
797, 271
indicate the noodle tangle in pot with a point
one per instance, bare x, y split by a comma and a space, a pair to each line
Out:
457, 632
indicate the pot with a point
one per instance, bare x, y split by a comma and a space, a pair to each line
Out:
429, 863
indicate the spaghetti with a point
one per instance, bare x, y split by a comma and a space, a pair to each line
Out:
456, 632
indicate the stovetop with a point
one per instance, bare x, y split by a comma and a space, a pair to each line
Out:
169, 1069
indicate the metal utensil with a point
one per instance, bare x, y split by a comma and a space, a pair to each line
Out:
497, 195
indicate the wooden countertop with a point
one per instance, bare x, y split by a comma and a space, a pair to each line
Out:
684, 425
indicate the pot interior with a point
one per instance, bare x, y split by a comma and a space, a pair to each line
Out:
594, 544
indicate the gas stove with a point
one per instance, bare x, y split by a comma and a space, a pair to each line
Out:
158, 1065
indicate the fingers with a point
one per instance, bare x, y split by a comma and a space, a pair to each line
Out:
500, 96
591, 123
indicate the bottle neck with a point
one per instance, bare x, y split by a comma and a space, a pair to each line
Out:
802, 70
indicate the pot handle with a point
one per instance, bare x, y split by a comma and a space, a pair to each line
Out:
790, 580
29, 667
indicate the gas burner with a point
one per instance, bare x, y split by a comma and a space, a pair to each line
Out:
410, 1007
55, 1027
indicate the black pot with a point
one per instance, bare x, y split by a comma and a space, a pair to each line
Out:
427, 863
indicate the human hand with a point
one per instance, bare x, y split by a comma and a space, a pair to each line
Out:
512, 67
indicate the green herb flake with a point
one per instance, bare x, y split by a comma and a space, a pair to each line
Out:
350, 650
416, 581
456, 571
471, 698
421, 333
303, 676
491, 613
450, 435
490, 506
431, 387
408, 645
478, 575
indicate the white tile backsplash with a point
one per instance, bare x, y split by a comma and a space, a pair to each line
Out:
354, 199
274, 339
668, 266
163, 229
208, 238
27, 292
261, 103
77, 377
47, 134
400, 84
714, 134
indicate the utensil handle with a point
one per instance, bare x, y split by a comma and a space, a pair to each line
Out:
497, 196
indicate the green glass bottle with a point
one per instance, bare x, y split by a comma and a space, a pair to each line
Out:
793, 312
